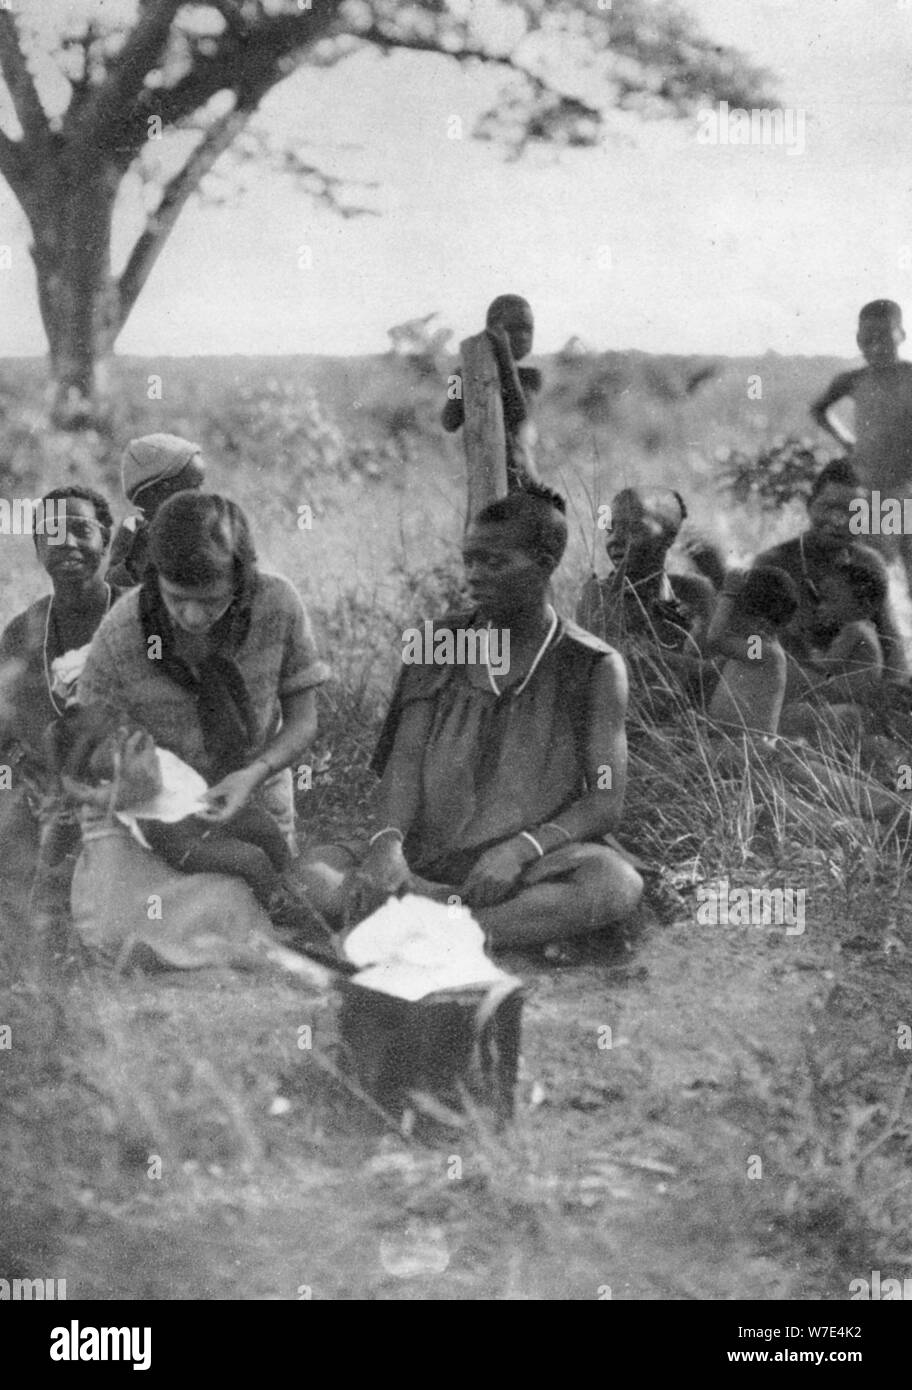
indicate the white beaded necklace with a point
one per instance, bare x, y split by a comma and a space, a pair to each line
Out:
58, 709
531, 671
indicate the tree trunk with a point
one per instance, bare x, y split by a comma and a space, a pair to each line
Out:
70, 209
483, 430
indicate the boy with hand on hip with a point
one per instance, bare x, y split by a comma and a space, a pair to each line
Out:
881, 390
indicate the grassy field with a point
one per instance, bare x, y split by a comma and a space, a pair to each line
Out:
747, 1134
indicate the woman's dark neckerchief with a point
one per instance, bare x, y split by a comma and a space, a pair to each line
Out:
225, 712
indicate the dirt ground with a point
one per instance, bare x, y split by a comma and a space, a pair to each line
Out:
704, 1154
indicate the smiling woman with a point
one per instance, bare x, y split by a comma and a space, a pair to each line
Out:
41, 652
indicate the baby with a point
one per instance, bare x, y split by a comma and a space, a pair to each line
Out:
153, 469
107, 762
751, 612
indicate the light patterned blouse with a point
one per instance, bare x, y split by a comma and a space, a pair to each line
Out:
278, 658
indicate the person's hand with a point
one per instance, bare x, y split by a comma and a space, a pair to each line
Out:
500, 342
226, 798
384, 864
496, 872
381, 874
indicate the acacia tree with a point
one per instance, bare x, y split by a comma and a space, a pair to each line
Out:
138, 70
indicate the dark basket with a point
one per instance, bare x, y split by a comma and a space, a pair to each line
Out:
454, 1046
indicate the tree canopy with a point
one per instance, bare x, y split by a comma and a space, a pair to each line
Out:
90, 86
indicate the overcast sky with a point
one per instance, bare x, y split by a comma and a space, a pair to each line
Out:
653, 241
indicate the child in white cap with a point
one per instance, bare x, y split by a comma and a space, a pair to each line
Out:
153, 469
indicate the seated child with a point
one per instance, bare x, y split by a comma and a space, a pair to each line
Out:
849, 675
510, 327
153, 469
751, 611
106, 762
850, 597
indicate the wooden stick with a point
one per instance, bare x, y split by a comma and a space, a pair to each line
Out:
483, 430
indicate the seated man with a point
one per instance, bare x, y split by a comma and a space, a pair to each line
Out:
500, 781
655, 618
813, 555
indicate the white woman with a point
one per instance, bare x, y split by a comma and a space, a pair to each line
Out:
214, 658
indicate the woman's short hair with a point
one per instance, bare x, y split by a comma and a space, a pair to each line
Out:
538, 517
195, 536
663, 504
79, 493
503, 305
836, 473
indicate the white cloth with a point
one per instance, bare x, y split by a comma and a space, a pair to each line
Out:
66, 670
411, 947
182, 794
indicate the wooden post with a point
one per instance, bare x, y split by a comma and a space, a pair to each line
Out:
483, 430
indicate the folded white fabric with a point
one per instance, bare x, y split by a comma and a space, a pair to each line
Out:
411, 947
66, 670
182, 794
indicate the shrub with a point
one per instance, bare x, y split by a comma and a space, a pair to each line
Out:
780, 473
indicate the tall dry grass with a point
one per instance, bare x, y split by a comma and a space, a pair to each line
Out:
105, 1074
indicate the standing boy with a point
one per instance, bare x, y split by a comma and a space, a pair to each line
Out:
510, 327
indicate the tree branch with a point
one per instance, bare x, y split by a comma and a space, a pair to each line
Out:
240, 62
222, 133
137, 57
21, 85
12, 164
256, 147
417, 43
